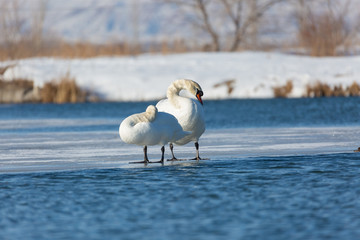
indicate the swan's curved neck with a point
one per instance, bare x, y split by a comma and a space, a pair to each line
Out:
173, 92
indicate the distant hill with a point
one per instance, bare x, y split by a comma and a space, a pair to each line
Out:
140, 20
110, 20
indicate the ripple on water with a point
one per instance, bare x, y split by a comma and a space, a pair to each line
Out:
289, 197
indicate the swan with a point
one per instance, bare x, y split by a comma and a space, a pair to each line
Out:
151, 128
188, 111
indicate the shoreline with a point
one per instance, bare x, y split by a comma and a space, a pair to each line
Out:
241, 75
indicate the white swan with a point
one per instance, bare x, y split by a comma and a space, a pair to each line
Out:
151, 128
188, 111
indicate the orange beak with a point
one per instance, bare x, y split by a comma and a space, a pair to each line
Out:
198, 96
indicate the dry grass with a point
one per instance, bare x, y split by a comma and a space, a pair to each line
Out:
64, 90
317, 43
62, 49
323, 34
229, 85
48, 93
19, 83
324, 90
319, 89
283, 91
354, 90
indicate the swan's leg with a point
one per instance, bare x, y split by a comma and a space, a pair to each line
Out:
197, 152
146, 160
162, 156
172, 152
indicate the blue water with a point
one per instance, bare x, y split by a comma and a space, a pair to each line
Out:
219, 114
297, 196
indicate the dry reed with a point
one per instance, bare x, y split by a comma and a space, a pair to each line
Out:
322, 35
324, 90
64, 90
229, 85
62, 49
283, 91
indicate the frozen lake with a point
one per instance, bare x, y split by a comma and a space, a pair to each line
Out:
34, 152
278, 169
85, 136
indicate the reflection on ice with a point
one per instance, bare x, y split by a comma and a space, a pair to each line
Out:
56, 151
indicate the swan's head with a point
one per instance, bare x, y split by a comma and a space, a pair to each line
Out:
195, 89
151, 112
199, 94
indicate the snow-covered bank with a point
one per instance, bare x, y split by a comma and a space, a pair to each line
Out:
147, 77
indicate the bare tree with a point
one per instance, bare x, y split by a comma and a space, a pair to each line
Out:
37, 26
199, 16
16, 39
323, 31
206, 24
11, 26
245, 16
135, 25
241, 15
253, 29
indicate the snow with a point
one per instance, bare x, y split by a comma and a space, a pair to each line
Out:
146, 77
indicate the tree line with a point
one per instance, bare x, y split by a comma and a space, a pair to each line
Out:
323, 28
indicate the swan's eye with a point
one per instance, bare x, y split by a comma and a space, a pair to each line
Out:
199, 92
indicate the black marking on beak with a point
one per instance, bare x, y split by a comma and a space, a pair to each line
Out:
199, 94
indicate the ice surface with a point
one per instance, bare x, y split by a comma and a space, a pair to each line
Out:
56, 151
147, 77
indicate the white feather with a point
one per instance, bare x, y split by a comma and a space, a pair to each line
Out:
151, 128
189, 112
